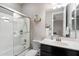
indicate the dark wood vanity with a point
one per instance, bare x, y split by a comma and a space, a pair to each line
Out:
47, 50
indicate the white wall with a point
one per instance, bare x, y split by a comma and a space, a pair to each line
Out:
30, 9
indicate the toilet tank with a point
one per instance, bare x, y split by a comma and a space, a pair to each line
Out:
36, 44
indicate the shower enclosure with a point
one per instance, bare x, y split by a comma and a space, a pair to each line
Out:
14, 32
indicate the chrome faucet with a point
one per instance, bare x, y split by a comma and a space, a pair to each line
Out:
51, 37
24, 42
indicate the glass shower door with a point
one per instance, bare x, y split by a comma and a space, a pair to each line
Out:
21, 34
26, 32
6, 34
14, 33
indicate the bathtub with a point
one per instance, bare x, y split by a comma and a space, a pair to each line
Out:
14, 51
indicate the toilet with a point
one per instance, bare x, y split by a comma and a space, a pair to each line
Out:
35, 51
36, 44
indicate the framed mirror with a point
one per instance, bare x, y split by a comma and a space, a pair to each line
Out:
59, 21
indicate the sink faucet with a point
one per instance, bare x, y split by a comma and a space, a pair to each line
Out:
51, 37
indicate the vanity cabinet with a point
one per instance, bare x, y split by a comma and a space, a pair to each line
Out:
46, 50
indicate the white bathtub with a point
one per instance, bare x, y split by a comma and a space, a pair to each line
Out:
18, 50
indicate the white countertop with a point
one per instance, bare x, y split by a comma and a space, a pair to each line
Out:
69, 44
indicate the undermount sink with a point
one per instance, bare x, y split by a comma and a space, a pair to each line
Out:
54, 42
60, 43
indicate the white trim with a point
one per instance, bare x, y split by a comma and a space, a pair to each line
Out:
12, 10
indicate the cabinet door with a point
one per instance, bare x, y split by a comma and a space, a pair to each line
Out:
71, 52
52, 51
57, 51
46, 48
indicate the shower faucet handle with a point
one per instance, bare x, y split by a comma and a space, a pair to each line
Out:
25, 40
21, 32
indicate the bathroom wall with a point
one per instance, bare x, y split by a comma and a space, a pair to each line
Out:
31, 9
